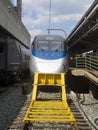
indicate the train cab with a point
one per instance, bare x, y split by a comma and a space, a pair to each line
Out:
49, 54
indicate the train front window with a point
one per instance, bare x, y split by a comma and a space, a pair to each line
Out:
49, 45
57, 46
43, 45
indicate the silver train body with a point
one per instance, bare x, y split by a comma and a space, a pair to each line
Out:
48, 54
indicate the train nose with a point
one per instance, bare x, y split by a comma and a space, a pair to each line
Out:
49, 67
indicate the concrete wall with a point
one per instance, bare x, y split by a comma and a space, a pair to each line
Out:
10, 21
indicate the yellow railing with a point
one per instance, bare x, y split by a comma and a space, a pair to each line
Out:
88, 62
91, 63
80, 61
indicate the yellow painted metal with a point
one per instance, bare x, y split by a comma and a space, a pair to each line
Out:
49, 79
49, 110
91, 63
88, 62
80, 61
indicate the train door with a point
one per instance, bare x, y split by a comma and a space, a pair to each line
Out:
3, 54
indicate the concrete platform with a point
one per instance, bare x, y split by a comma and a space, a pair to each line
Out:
91, 75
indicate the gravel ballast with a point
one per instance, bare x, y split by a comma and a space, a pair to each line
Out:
10, 103
89, 107
12, 100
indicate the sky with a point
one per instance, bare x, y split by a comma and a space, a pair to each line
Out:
65, 14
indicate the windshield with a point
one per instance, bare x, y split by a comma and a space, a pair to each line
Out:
42, 45
49, 45
57, 46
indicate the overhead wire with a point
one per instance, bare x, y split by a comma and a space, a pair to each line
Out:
49, 17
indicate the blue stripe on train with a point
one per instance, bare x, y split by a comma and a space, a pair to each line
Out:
49, 55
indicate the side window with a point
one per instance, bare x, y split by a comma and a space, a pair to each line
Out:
65, 46
62, 46
25, 56
1, 49
34, 46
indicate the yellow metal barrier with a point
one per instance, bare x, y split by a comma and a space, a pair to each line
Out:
88, 62
91, 63
49, 110
80, 61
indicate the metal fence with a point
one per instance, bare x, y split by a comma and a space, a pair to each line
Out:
80, 61
88, 62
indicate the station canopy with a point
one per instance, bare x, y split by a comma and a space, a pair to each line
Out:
84, 37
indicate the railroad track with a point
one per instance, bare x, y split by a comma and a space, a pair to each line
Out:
19, 124
82, 123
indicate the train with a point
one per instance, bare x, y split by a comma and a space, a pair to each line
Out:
14, 59
49, 54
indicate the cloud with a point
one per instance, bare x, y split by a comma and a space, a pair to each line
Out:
68, 17
31, 22
13, 2
35, 32
63, 13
